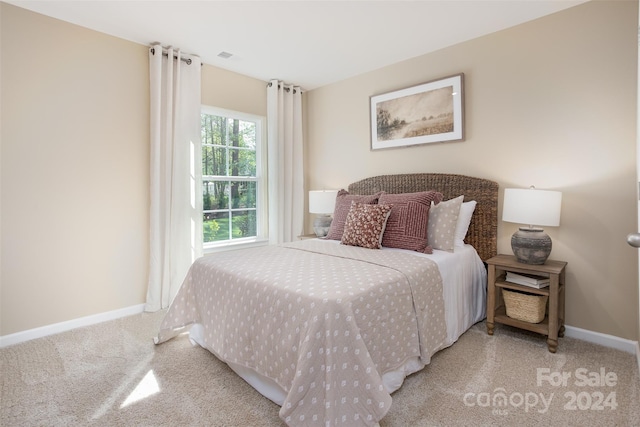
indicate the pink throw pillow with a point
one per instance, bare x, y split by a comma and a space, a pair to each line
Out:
340, 212
365, 225
408, 223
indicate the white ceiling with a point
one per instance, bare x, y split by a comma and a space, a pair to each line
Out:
309, 43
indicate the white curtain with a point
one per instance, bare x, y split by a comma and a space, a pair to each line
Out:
285, 159
175, 210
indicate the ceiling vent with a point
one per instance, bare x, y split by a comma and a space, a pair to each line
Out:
225, 55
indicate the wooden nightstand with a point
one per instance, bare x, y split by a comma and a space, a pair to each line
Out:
307, 236
553, 324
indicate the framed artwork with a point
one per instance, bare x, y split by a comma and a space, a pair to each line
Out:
422, 114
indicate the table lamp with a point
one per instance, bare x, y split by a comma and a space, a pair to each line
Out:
322, 203
531, 245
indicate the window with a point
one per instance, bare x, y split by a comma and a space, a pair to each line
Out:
233, 203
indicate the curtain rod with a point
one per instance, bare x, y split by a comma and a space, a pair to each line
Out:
187, 60
287, 89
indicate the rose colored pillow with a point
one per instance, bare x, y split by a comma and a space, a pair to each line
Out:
365, 225
443, 218
340, 212
407, 224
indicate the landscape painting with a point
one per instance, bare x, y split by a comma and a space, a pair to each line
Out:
430, 112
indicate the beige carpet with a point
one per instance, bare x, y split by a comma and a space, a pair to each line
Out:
101, 375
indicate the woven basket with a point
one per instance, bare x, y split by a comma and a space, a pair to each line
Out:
525, 307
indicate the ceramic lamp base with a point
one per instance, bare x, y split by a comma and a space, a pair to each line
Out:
531, 245
321, 225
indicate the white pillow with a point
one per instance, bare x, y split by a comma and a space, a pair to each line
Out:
464, 219
441, 226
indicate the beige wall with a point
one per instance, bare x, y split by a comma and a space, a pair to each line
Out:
74, 171
550, 103
225, 89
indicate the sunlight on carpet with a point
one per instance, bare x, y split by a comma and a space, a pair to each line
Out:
147, 387
121, 390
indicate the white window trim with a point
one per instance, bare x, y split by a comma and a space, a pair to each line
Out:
262, 234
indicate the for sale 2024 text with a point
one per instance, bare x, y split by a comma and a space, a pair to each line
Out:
596, 395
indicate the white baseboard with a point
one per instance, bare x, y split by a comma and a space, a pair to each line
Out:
56, 328
19, 337
611, 341
638, 355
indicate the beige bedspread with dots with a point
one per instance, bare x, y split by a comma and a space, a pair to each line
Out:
325, 321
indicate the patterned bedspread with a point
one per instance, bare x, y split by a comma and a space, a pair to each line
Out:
324, 321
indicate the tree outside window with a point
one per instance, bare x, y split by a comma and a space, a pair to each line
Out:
230, 178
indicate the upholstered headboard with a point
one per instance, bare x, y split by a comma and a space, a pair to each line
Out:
483, 229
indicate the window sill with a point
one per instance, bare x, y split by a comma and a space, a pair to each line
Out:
232, 246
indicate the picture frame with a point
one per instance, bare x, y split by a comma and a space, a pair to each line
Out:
423, 114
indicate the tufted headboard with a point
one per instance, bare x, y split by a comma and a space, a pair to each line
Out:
483, 229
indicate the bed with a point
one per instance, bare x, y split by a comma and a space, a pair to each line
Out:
328, 330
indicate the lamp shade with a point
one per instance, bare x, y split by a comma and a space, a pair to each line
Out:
531, 206
322, 201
